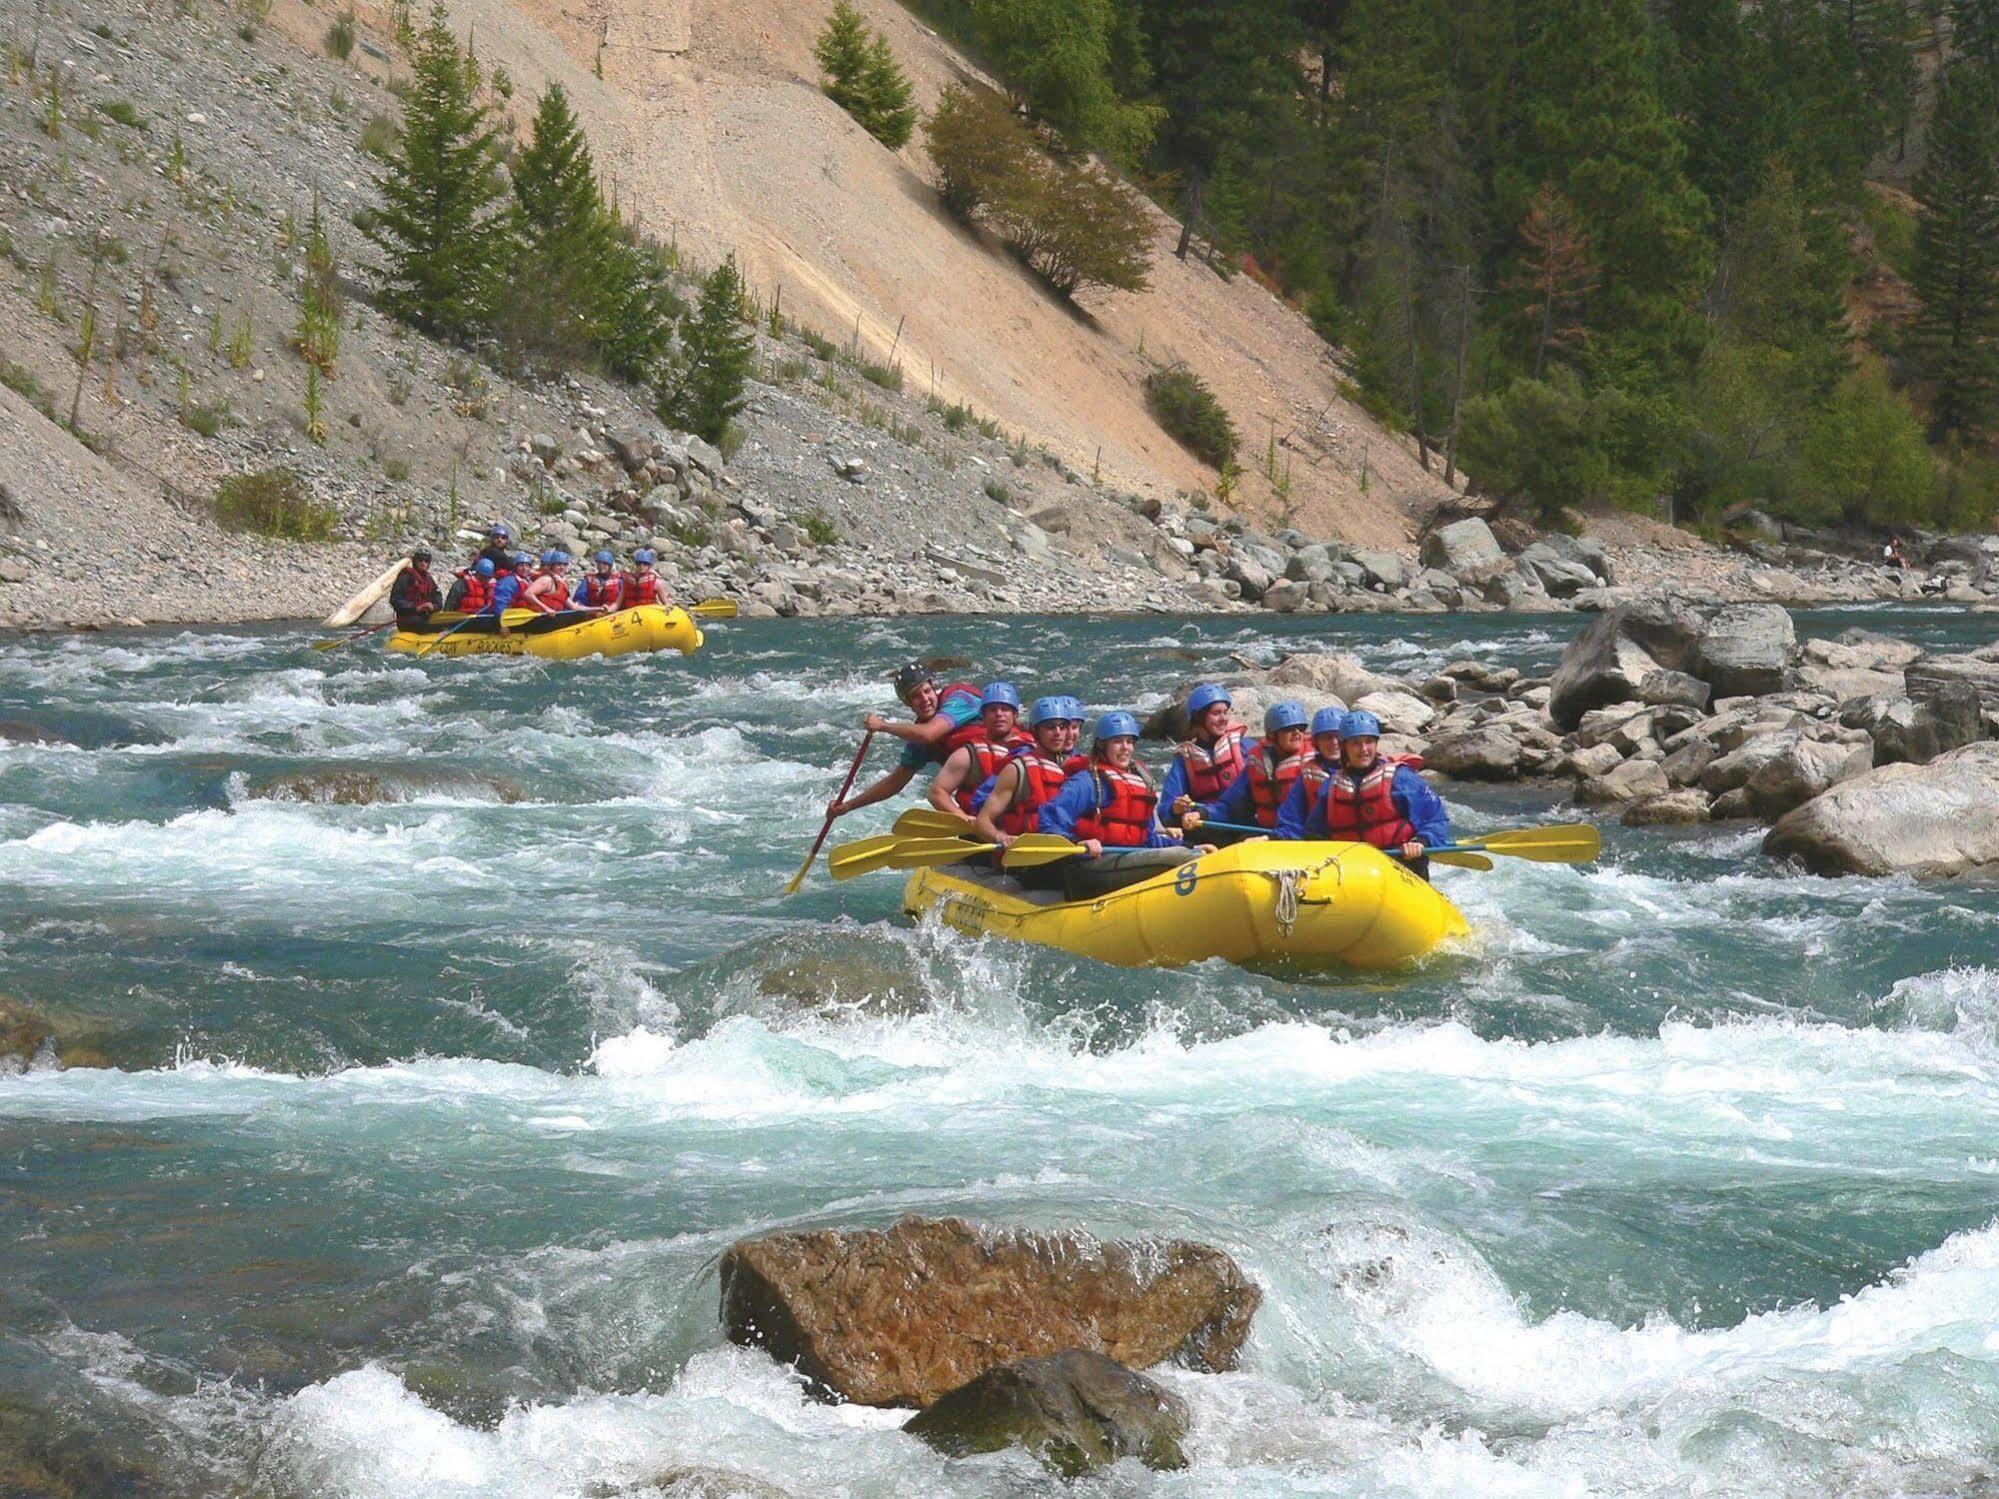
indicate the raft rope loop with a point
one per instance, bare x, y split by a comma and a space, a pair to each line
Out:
1290, 887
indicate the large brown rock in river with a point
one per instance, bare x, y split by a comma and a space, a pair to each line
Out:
1077, 1412
1935, 819
901, 1316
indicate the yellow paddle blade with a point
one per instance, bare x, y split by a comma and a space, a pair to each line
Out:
918, 853
928, 822
1031, 850
862, 856
714, 608
1463, 861
330, 645
1565, 843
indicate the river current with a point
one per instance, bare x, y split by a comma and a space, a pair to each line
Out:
416, 1129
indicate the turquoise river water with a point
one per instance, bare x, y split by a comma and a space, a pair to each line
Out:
420, 1127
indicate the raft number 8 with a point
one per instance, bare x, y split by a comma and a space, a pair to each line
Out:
1183, 882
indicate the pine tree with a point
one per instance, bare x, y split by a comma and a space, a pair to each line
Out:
1956, 272
1554, 277
890, 110
842, 52
1057, 58
442, 244
703, 390
567, 247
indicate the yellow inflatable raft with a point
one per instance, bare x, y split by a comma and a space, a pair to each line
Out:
1263, 904
556, 637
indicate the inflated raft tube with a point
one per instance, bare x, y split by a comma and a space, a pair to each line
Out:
1266, 904
555, 637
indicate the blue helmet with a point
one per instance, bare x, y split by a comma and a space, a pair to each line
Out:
1072, 709
483, 567
1358, 725
1000, 695
1047, 710
604, 559
500, 531
548, 557
522, 560
645, 554
1205, 697
1284, 716
1328, 721
1117, 725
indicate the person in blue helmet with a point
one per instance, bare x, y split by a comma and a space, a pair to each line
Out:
507, 587
602, 591
1312, 779
548, 591
1210, 758
1010, 801
643, 584
1370, 799
499, 547
473, 589
975, 758
1271, 766
1110, 804
943, 718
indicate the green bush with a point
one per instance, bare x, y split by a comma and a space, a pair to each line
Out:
818, 530
379, 137
821, 346
1865, 459
887, 376
274, 502
340, 37
1537, 443
1182, 403
122, 112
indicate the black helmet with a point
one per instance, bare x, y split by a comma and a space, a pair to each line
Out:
421, 554
910, 676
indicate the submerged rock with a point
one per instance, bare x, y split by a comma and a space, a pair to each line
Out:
1935, 819
904, 1315
23, 1033
1077, 1411
366, 787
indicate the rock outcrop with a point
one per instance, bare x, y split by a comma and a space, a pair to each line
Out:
1935, 819
904, 1315
23, 1033
1077, 1411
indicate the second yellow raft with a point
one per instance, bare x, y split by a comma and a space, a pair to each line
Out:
1269, 903
649, 627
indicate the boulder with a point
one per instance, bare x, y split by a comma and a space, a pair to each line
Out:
1674, 808
1876, 651
1685, 765
904, 1315
1461, 546
632, 453
1384, 568
1733, 768
1286, 597
23, 1033
1332, 673
1915, 733
1077, 1411
1935, 819
1485, 678
1679, 689
1622, 646
1802, 770
1746, 649
1481, 754
1595, 759
1634, 780
1254, 579
1979, 670
1399, 712
1581, 551
704, 1483
1559, 577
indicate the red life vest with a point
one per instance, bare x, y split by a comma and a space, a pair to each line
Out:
1315, 774
549, 600
1212, 769
603, 593
966, 733
988, 758
1123, 818
1040, 779
1271, 780
1363, 810
641, 588
478, 592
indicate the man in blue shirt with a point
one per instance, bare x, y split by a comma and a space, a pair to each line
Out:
925, 740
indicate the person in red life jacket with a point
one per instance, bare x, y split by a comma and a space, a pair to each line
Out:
1212, 756
1373, 800
975, 753
1110, 804
1312, 779
507, 586
499, 547
603, 590
939, 714
1271, 767
474, 589
1008, 802
547, 592
414, 596
643, 585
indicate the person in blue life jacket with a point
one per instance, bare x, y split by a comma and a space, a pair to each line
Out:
1109, 806
602, 591
1010, 801
507, 587
1312, 778
1209, 758
1373, 800
1271, 766
975, 760
939, 716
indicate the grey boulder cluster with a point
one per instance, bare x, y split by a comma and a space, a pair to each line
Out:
1462, 566
998, 1337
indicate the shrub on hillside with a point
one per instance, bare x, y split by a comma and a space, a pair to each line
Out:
1187, 409
863, 77
274, 502
1073, 225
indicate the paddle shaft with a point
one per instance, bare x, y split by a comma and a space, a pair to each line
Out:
860, 755
334, 645
431, 645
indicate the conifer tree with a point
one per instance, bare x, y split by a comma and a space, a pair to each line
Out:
1057, 57
890, 112
1956, 272
1554, 277
442, 243
703, 389
863, 77
567, 248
